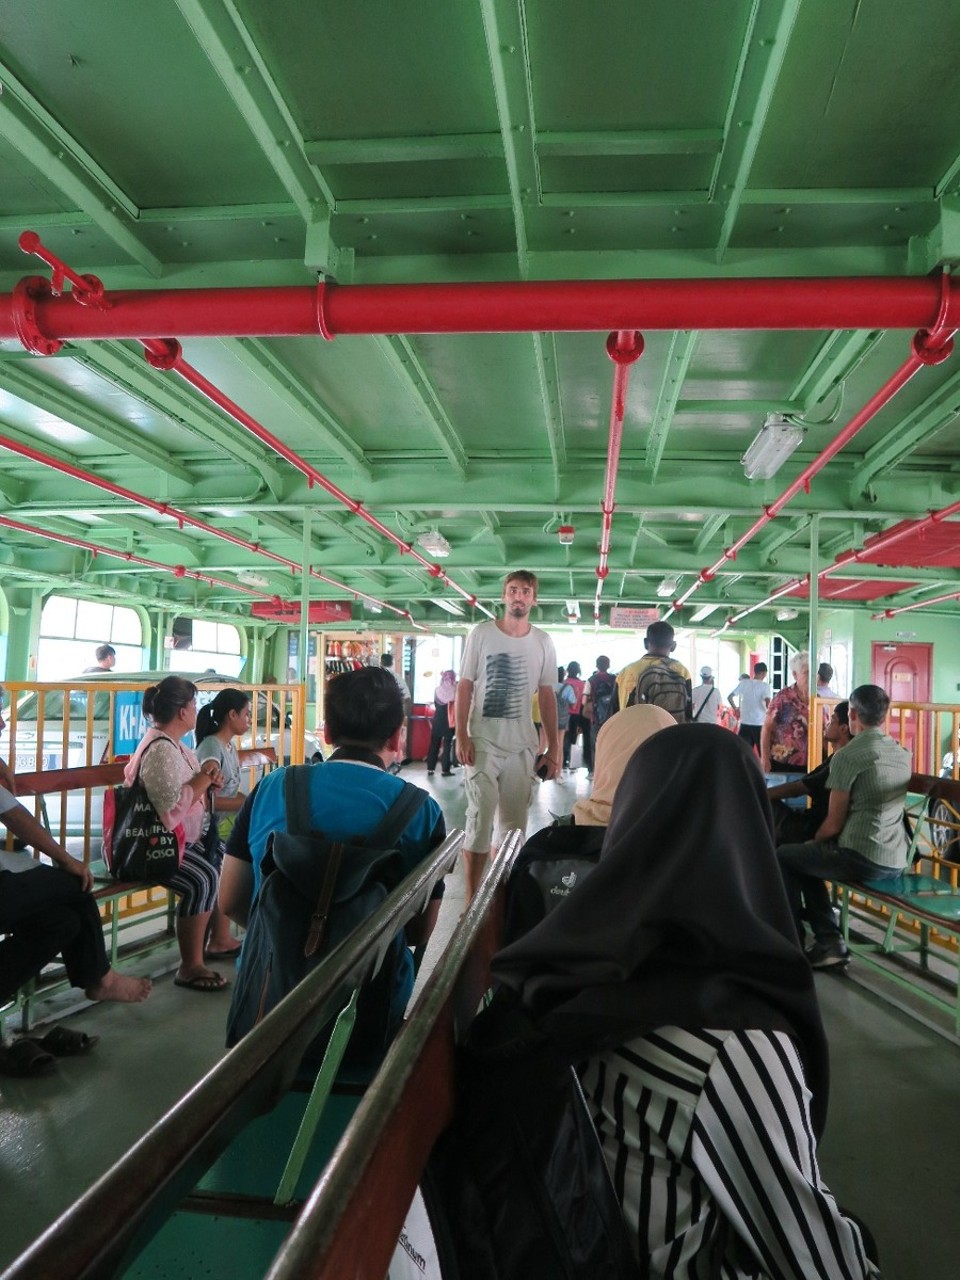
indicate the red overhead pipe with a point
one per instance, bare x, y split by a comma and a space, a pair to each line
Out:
623, 348
472, 307
889, 538
166, 354
921, 604
178, 570
183, 518
927, 348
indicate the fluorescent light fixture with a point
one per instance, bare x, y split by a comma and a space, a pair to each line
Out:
668, 588
449, 606
434, 543
573, 609
373, 608
787, 615
251, 579
773, 445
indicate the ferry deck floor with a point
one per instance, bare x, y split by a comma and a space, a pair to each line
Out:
891, 1151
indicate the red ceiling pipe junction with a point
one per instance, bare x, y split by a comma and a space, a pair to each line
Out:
166, 354
183, 518
178, 570
332, 310
624, 348
927, 348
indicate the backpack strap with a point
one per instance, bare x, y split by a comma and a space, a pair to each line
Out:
296, 799
394, 822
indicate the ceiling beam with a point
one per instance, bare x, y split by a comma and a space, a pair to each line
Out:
54, 399
400, 354
507, 55
232, 51
56, 155
257, 356
907, 435
675, 368
763, 49
128, 370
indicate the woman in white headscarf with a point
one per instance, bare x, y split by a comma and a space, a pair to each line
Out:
559, 857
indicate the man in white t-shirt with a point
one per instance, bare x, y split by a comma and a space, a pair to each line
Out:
706, 699
754, 698
505, 662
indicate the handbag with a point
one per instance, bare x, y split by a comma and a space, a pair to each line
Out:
136, 844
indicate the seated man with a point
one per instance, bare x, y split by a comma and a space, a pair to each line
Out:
349, 797
791, 825
862, 836
45, 912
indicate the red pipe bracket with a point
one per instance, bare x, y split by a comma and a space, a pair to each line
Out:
624, 347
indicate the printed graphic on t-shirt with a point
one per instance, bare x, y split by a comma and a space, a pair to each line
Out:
506, 695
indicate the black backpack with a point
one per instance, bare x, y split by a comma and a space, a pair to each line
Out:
662, 684
548, 868
313, 894
603, 707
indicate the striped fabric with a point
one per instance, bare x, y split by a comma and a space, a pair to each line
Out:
707, 1136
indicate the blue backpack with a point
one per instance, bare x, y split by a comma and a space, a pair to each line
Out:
314, 893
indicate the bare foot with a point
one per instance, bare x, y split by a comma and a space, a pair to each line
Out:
120, 987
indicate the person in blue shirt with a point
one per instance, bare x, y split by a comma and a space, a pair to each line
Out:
350, 794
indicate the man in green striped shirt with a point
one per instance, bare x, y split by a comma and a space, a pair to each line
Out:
862, 836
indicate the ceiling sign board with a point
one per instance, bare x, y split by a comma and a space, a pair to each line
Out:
632, 619
318, 611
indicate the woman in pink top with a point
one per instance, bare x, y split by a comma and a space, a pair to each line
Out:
177, 784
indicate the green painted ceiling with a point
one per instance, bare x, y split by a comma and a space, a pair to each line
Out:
218, 143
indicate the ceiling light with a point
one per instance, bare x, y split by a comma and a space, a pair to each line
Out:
374, 608
434, 543
668, 588
449, 606
787, 615
773, 445
251, 579
565, 534
573, 608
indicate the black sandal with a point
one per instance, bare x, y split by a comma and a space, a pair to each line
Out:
64, 1043
24, 1058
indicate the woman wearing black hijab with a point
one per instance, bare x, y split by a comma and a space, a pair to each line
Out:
675, 971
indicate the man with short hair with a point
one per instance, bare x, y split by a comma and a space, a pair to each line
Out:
350, 795
824, 676
862, 836
106, 656
598, 702
754, 697
706, 699
659, 643
505, 662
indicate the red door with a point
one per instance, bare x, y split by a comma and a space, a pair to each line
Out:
905, 671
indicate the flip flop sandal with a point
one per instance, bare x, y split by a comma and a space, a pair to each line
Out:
64, 1043
24, 1058
230, 954
203, 982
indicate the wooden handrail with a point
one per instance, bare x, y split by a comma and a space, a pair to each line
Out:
385, 1147
103, 1230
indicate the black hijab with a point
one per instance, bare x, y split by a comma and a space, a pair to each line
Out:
684, 922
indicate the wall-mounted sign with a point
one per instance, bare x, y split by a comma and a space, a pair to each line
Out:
289, 611
632, 619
